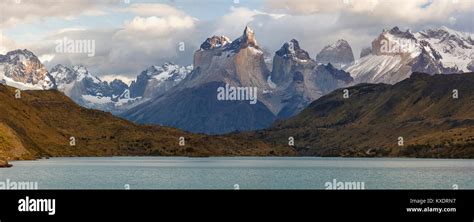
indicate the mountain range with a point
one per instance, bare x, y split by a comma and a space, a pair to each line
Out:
395, 54
187, 97
422, 116
293, 83
156, 80
89, 90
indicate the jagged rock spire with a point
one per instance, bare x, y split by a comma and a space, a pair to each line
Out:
292, 49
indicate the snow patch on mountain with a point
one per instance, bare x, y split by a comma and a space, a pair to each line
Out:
456, 48
156, 80
90, 91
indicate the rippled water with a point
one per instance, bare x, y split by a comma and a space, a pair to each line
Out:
247, 172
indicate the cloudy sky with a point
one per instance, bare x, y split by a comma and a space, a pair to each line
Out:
131, 35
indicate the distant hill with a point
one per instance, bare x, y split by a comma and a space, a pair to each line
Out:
421, 110
41, 123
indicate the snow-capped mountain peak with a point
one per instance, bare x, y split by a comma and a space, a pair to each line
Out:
461, 35
63, 74
89, 90
21, 56
215, 42
339, 43
170, 71
396, 54
246, 40
395, 31
23, 70
249, 34
82, 73
455, 48
156, 80
152, 70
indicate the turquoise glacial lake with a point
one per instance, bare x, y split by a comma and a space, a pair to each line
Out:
241, 172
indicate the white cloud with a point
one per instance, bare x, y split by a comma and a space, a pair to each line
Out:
152, 9
299, 7
159, 26
412, 11
95, 12
70, 29
232, 24
14, 13
153, 34
6, 44
126, 51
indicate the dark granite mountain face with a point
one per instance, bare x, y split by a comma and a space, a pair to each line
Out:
198, 110
421, 110
288, 56
117, 87
365, 52
193, 104
292, 49
328, 78
299, 80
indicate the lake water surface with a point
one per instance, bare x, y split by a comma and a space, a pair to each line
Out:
247, 172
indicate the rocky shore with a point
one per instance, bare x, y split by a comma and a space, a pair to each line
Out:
4, 163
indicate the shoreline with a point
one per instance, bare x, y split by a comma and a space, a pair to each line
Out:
248, 156
4, 164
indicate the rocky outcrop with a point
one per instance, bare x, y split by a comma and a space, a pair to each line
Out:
365, 52
4, 163
299, 80
470, 66
339, 54
215, 42
289, 58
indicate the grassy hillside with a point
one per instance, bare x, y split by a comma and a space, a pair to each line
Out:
41, 123
370, 122
420, 109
